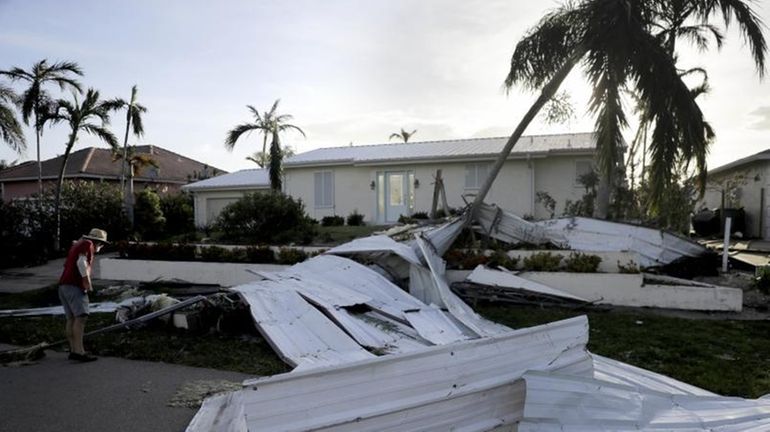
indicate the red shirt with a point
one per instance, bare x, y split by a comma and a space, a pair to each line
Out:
71, 274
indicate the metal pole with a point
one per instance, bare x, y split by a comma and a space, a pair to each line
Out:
726, 245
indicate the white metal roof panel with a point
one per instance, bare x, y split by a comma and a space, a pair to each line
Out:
298, 332
377, 243
484, 276
419, 390
247, 178
448, 149
461, 311
558, 402
654, 247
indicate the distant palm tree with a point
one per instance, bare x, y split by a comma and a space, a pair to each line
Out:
134, 123
36, 102
80, 116
403, 135
270, 123
263, 159
10, 128
135, 162
616, 43
5, 164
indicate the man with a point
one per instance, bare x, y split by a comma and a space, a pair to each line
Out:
74, 286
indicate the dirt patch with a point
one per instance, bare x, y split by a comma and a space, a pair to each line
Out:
192, 393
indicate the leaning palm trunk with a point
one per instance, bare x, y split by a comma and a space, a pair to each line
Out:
275, 164
549, 90
57, 200
39, 163
129, 198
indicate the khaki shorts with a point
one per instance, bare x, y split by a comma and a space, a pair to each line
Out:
74, 300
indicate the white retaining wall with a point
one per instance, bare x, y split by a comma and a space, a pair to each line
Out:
223, 274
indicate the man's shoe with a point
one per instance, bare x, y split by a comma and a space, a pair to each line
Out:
83, 358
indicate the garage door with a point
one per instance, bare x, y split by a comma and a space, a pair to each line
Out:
214, 206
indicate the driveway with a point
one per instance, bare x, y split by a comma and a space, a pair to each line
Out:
111, 394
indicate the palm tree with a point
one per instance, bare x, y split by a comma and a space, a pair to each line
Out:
263, 159
403, 135
80, 116
35, 100
135, 162
10, 128
614, 41
134, 124
270, 123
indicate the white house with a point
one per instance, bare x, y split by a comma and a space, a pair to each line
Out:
743, 183
385, 181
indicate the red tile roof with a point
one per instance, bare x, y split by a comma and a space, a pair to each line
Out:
95, 162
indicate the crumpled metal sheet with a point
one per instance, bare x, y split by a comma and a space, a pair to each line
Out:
654, 247
484, 276
300, 334
613, 371
457, 308
561, 402
506, 226
468, 385
376, 244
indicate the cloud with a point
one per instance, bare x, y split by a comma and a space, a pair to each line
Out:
763, 115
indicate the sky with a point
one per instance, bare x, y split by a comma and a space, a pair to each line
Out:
349, 71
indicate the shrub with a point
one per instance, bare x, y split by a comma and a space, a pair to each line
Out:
215, 254
159, 251
762, 280
355, 219
328, 221
420, 215
149, 221
178, 210
265, 218
582, 263
403, 219
501, 259
87, 205
465, 260
542, 261
260, 255
629, 267
290, 256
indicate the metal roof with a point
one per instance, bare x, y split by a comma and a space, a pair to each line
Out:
761, 156
248, 178
474, 148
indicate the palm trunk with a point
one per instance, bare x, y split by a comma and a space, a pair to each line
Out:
57, 201
275, 164
130, 196
127, 196
545, 95
37, 145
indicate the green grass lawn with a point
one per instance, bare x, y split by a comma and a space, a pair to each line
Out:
726, 357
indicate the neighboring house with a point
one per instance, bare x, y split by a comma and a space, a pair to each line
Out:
96, 164
212, 195
385, 181
744, 183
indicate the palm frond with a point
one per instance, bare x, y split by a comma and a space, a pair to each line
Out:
235, 133
749, 23
103, 134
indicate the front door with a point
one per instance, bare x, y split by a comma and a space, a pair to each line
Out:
396, 195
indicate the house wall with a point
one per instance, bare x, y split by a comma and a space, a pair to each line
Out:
514, 188
749, 181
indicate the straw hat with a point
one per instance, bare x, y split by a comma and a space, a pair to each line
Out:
97, 235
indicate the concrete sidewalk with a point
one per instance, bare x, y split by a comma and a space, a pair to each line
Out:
111, 394
21, 279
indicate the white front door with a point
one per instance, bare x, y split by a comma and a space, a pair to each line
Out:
396, 195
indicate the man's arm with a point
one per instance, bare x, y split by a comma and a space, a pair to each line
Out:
85, 272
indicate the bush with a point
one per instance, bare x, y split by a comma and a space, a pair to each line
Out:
420, 215
762, 280
582, 263
260, 255
216, 254
355, 219
149, 221
328, 221
501, 259
178, 209
465, 260
403, 219
265, 218
291, 256
542, 261
159, 251
87, 205
629, 267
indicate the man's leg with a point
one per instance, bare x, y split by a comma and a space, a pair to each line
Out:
68, 333
78, 328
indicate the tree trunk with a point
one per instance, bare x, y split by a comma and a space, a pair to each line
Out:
127, 196
130, 196
57, 201
275, 164
39, 163
545, 95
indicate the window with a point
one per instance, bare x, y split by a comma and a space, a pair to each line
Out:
324, 189
475, 175
582, 167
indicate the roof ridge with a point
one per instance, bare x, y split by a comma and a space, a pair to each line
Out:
450, 140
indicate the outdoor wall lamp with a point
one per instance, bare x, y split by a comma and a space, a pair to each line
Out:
372, 185
416, 183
